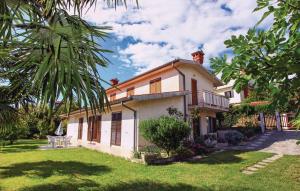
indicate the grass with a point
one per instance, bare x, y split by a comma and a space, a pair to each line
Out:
25, 168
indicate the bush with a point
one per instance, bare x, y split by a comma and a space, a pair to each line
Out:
12, 134
184, 153
296, 122
197, 148
151, 158
234, 137
137, 155
165, 132
151, 149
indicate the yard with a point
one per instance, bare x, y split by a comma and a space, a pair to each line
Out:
23, 167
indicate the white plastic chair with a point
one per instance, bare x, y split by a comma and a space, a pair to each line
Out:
49, 139
67, 141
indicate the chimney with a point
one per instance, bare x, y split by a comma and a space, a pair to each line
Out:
114, 81
198, 56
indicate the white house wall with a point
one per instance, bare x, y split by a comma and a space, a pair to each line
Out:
236, 98
203, 83
72, 130
154, 109
127, 133
169, 83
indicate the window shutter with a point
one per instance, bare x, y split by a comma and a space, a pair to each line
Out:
116, 128
90, 128
98, 129
80, 126
158, 86
130, 91
112, 97
155, 86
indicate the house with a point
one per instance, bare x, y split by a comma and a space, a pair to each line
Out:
181, 84
233, 96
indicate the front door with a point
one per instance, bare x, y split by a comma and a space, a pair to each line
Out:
194, 92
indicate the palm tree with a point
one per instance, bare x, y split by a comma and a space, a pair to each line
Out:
57, 53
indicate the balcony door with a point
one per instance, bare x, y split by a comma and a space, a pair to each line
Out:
194, 92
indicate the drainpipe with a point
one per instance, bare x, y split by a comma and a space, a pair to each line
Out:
135, 126
184, 89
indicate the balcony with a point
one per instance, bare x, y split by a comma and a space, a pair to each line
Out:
208, 100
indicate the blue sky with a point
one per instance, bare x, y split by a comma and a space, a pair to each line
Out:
162, 30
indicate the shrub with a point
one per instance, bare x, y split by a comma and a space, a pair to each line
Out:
234, 137
165, 132
150, 158
137, 155
296, 122
184, 153
151, 149
12, 134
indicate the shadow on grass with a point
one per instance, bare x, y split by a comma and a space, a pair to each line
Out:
151, 186
22, 146
226, 157
65, 185
89, 185
49, 168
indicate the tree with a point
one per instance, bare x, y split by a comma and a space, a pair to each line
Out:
269, 58
165, 132
52, 52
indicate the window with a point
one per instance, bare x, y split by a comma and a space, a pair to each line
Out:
155, 86
113, 97
116, 123
228, 94
96, 136
94, 128
80, 126
130, 91
211, 124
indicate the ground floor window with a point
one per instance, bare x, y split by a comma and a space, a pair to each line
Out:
80, 126
94, 128
197, 128
211, 124
116, 123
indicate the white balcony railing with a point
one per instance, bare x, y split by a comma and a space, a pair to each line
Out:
209, 100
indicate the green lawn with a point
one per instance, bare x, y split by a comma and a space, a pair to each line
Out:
23, 167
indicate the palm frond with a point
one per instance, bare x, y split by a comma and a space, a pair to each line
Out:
58, 54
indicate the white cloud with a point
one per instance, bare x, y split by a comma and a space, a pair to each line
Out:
180, 25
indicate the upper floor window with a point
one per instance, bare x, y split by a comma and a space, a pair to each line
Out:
130, 91
155, 86
228, 94
113, 97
